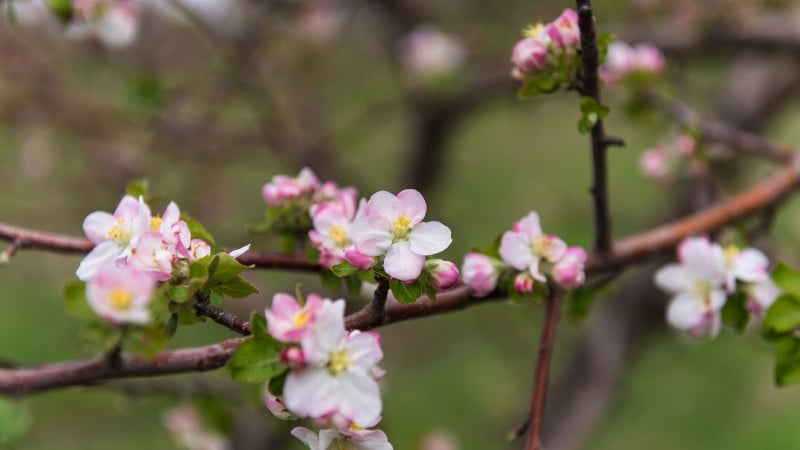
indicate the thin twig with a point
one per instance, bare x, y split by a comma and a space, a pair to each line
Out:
203, 307
552, 315
590, 87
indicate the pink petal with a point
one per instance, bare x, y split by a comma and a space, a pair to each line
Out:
402, 263
673, 278
412, 205
384, 207
97, 224
368, 239
103, 255
529, 226
429, 238
515, 250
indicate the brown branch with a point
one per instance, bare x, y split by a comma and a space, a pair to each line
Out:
546, 343
590, 85
203, 307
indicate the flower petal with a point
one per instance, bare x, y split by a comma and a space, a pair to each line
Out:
368, 239
429, 238
673, 278
529, 226
104, 254
402, 263
382, 208
515, 249
685, 311
97, 224
412, 205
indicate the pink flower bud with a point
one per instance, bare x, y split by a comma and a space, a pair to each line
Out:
529, 54
294, 358
568, 272
564, 31
480, 273
359, 259
444, 273
277, 408
198, 249
523, 283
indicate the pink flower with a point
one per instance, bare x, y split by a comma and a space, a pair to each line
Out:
480, 272
428, 52
283, 189
622, 60
276, 407
529, 55
338, 378
288, 321
568, 272
121, 295
698, 287
392, 226
649, 58
564, 31
655, 164
444, 273
331, 233
359, 259
523, 283
175, 232
527, 248
334, 439
152, 255
115, 235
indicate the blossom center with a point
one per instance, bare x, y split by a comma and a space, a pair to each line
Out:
301, 318
532, 31
155, 223
118, 234
540, 245
730, 252
401, 227
120, 299
702, 289
339, 236
339, 361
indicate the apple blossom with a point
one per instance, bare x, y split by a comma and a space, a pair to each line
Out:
698, 287
331, 233
115, 235
331, 439
480, 272
761, 296
115, 23
338, 378
748, 265
527, 248
152, 256
198, 249
121, 295
283, 188
359, 259
288, 321
564, 31
391, 226
528, 55
523, 283
444, 273
623, 60
175, 232
569, 270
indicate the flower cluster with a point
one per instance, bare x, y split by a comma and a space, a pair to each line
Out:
115, 23
624, 60
709, 275
133, 251
546, 46
333, 378
527, 255
664, 162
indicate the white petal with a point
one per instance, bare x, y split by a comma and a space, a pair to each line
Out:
673, 278
368, 239
402, 263
384, 206
311, 392
429, 238
685, 312
308, 437
751, 266
529, 226
103, 255
365, 349
239, 251
515, 249
360, 397
412, 205
97, 224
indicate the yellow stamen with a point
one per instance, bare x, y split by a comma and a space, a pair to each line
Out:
402, 223
339, 236
120, 299
155, 223
532, 30
301, 318
355, 427
730, 252
340, 361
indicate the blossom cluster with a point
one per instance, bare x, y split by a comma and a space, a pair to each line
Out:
663, 163
707, 276
624, 60
333, 377
385, 231
544, 46
528, 255
134, 250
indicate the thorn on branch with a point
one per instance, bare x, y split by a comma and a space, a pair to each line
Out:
613, 141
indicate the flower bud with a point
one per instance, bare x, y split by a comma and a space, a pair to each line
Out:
564, 31
444, 273
294, 358
359, 259
480, 273
277, 408
568, 272
523, 283
529, 54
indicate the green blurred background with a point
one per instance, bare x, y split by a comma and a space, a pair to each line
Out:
78, 121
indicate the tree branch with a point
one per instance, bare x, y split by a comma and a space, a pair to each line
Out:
546, 343
591, 88
203, 307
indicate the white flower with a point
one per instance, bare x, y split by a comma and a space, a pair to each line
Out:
526, 247
334, 440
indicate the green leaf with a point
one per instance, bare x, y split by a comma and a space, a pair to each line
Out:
405, 293
787, 361
15, 420
256, 360
101, 334
172, 326
528, 91
275, 385
787, 279
426, 285
783, 315
216, 298
145, 342
236, 288
735, 313
197, 230
61, 8
344, 269
226, 268
604, 39
353, 284
138, 188
258, 324
75, 300
585, 125
578, 303
179, 294
330, 281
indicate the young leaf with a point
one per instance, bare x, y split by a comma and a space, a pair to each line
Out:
137, 188
275, 385
258, 324
405, 293
256, 360
236, 288
75, 300
226, 268
353, 283
145, 342
344, 269
578, 303
330, 281
735, 313
787, 279
783, 315
787, 361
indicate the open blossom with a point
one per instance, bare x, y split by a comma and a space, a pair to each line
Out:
569, 271
698, 285
115, 23
121, 295
339, 376
749, 265
288, 321
333, 439
526, 247
480, 272
428, 52
283, 189
152, 256
392, 226
115, 234
444, 273
331, 233
623, 60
